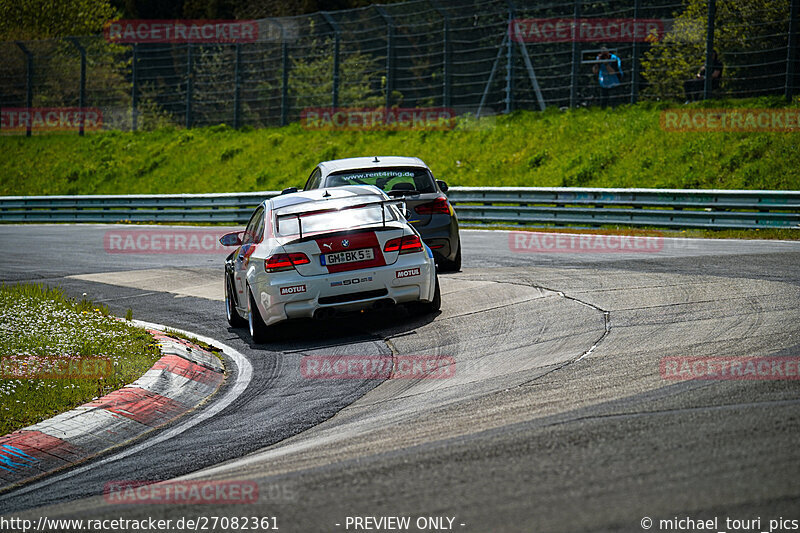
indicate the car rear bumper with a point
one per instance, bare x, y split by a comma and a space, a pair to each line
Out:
288, 295
441, 234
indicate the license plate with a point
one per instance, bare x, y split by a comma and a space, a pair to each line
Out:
348, 256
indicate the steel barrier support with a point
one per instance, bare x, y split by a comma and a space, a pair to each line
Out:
82, 89
446, 53
336, 45
576, 56
512, 14
188, 117
791, 52
708, 85
28, 81
637, 49
134, 89
387, 18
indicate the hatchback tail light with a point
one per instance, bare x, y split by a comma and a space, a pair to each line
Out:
281, 262
438, 206
405, 245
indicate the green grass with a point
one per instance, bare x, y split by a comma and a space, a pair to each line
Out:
624, 147
38, 324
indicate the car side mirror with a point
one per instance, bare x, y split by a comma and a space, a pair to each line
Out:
289, 190
231, 239
442, 185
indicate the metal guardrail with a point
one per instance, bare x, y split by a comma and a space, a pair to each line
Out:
561, 206
666, 208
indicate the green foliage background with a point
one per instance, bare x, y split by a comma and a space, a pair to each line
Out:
625, 147
743, 26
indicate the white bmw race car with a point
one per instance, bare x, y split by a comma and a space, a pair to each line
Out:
321, 252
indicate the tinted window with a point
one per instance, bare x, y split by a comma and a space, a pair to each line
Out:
255, 228
387, 179
334, 216
313, 180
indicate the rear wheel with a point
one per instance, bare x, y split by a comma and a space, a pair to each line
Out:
259, 331
230, 307
435, 304
452, 266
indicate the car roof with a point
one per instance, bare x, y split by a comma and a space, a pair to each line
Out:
359, 163
331, 193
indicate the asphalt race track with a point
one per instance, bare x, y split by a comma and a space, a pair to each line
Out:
557, 418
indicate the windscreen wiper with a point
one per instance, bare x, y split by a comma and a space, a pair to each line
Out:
403, 192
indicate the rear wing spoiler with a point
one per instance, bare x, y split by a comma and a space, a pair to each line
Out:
299, 216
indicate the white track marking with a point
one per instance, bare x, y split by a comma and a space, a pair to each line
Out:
243, 378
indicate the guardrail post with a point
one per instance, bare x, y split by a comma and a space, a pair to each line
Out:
188, 118
336, 44
134, 89
446, 53
791, 53
510, 59
576, 56
389, 54
237, 69
712, 15
637, 49
82, 91
28, 81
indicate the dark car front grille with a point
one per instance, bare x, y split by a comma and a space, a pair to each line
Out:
353, 296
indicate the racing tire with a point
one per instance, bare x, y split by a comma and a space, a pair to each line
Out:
259, 331
434, 305
452, 266
231, 314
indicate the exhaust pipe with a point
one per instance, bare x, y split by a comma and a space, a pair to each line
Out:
386, 303
324, 313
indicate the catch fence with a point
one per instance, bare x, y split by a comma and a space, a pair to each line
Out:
469, 56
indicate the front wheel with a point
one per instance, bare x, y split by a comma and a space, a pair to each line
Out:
259, 331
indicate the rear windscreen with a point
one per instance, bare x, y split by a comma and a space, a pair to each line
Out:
388, 179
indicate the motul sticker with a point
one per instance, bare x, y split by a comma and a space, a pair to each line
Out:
407, 273
294, 289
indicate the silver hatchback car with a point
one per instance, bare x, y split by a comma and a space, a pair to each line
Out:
429, 210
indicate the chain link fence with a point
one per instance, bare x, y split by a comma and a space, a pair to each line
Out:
471, 56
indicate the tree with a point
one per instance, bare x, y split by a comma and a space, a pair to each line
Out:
753, 30
42, 19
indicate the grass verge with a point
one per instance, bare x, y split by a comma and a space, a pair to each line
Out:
41, 332
623, 147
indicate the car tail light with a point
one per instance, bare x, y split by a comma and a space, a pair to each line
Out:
438, 206
405, 245
280, 262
